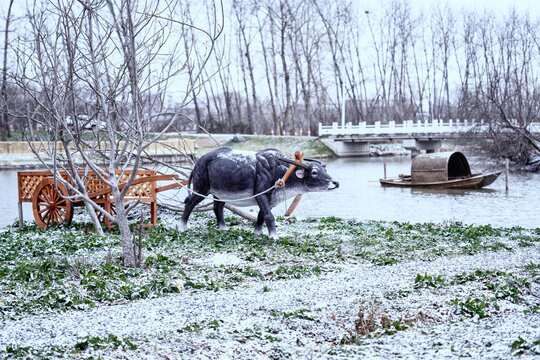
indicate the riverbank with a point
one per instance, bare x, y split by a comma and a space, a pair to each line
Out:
311, 146
327, 288
19, 155
23, 161
201, 144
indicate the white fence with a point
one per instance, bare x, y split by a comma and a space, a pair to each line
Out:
408, 127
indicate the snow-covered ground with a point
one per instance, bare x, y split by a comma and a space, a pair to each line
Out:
373, 290
302, 318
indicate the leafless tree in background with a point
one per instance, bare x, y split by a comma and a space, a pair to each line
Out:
289, 64
4, 126
507, 93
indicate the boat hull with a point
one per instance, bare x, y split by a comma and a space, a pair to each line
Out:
475, 181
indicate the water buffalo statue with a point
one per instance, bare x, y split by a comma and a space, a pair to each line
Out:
236, 176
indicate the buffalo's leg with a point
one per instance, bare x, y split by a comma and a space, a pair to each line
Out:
259, 223
218, 210
192, 201
264, 206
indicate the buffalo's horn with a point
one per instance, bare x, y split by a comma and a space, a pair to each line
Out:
317, 161
294, 162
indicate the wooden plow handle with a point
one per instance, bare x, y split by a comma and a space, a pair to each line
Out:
294, 204
172, 186
298, 156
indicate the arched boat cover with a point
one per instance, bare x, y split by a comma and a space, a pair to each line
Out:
435, 167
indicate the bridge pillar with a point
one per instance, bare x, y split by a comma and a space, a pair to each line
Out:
417, 145
347, 148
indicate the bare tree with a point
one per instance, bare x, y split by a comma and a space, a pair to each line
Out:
506, 91
282, 17
242, 17
110, 65
269, 59
4, 127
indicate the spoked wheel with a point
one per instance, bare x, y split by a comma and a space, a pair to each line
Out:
49, 207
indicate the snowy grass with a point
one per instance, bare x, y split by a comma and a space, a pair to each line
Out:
287, 144
327, 288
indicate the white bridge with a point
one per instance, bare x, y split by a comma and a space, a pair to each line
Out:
353, 140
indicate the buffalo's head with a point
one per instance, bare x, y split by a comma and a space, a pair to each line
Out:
314, 175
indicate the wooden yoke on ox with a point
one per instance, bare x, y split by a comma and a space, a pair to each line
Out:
298, 156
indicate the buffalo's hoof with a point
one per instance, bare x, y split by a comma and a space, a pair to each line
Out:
181, 226
223, 227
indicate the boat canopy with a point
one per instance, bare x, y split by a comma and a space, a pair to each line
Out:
443, 166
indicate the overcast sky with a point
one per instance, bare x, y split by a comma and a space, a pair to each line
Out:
531, 6
498, 6
502, 7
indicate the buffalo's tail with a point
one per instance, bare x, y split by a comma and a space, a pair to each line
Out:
188, 187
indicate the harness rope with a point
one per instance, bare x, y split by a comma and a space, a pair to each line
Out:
278, 184
284, 196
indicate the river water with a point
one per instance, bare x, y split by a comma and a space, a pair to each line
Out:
361, 196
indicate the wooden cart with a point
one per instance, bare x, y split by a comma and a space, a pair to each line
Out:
51, 206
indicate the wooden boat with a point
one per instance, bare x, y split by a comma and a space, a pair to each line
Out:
442, 171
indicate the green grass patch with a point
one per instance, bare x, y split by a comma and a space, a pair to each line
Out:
428, 281
198, 327
474, 307
65, 268
298, 314
524, 347
87, 347
111, 342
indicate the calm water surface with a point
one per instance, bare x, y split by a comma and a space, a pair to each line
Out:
361, 196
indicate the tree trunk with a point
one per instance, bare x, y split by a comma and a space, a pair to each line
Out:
275, 120
4, 126
128, 248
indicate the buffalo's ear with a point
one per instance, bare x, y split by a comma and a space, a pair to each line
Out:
317, 161
293, 162
300, 173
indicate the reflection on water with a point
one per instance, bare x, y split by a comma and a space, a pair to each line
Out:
361, 196
453, 191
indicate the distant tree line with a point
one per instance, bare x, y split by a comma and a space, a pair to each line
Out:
286, 65
290, 64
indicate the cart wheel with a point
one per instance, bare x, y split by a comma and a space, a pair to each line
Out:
49, 207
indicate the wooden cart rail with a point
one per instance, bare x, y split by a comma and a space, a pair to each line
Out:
51, 206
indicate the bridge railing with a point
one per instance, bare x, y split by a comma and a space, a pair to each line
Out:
407, 127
